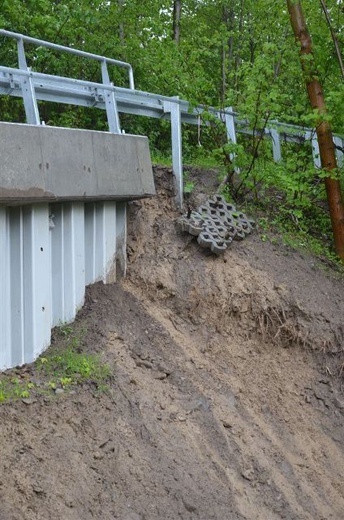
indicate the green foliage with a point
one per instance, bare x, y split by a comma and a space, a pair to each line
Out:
69, 365
231, 53
64, 368
188, 187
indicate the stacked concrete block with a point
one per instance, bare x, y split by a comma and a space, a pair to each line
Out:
216, 224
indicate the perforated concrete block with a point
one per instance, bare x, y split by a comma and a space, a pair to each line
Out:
216, 224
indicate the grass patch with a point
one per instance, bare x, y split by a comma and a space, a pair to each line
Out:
276, 230
64, 367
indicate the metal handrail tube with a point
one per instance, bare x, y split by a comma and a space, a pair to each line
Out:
70, 50
90, 84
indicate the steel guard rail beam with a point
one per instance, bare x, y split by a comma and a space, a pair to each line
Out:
33, 86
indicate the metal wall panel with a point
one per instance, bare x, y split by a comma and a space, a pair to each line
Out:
29, 279
100, 241
47, 256
67, 235
5, 322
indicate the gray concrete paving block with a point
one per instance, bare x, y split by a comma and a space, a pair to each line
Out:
216, 224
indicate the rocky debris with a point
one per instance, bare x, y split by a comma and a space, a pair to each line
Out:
216, 224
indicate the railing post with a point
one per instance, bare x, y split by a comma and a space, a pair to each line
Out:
312, 136
276, 144
110, 102
339, 142
230, 129
230, 125
176, 134
28, 89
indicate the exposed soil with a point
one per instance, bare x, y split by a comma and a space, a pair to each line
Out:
225, 401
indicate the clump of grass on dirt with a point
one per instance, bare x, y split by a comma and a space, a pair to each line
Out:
64, 367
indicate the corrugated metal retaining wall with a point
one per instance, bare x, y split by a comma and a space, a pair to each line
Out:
49, 253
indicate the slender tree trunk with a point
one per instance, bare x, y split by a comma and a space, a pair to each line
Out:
334, 37
223, 74
240, 26
177, 9
121, 26
224, 49
323, 129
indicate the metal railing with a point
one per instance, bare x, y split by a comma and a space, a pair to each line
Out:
21, 38
32, 86
28, 87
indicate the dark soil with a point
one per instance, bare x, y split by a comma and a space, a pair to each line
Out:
225, 400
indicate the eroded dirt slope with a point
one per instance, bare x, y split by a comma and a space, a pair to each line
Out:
225, 402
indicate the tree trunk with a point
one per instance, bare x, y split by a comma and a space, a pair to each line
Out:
121, 26
177, 9
323, 129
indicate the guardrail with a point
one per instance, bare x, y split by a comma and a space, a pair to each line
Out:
32, 86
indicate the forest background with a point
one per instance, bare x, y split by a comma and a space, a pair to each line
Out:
238, 53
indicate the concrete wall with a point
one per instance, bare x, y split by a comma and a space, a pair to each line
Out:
63, 200
41, 164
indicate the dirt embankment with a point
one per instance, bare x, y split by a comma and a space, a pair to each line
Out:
225, 403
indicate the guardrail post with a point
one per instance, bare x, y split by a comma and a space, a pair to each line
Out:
28, 89
176, 134
339, 142
230, 125
110, 102
312, 136
276, 144
231, 132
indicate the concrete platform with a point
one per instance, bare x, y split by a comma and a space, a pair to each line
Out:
49, 164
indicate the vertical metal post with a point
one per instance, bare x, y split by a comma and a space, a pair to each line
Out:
276, 145
338, 141
131, 79
110, 102
230, 128
230, 125
312, 136
28, 89
176, 135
